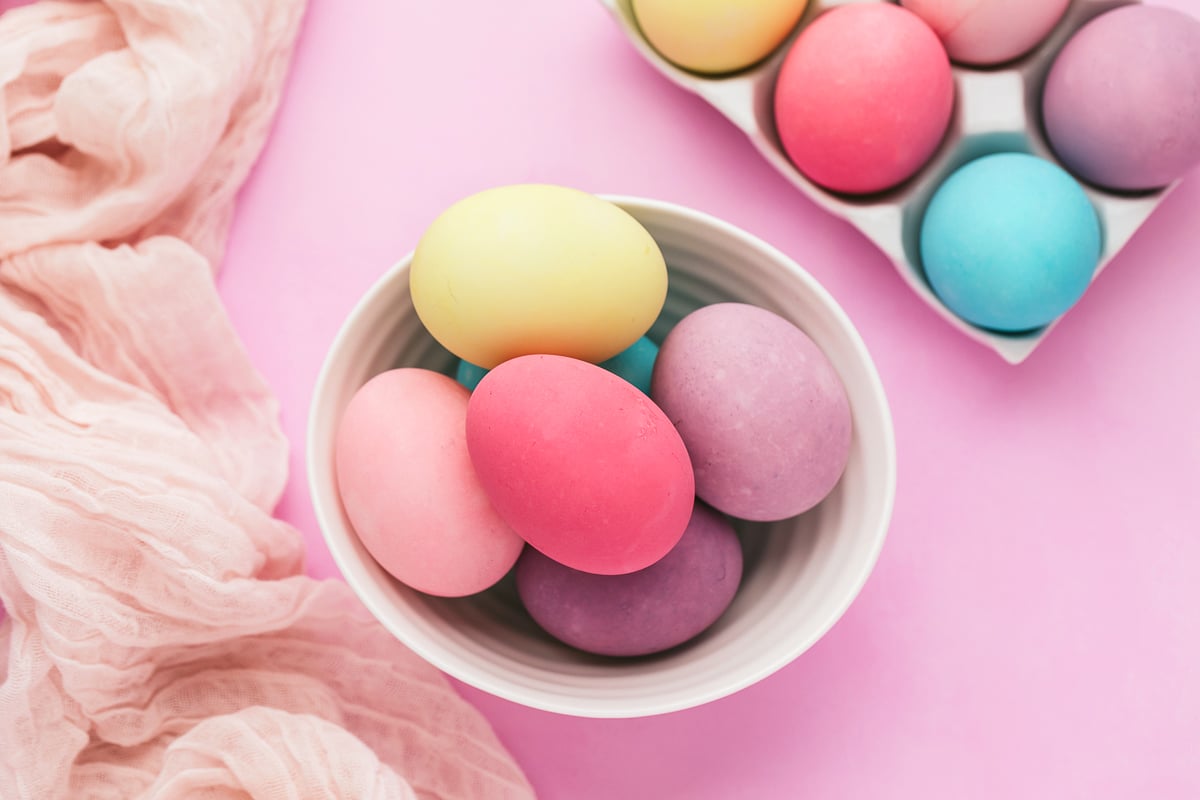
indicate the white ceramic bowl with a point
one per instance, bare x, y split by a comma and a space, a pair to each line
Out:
800, 574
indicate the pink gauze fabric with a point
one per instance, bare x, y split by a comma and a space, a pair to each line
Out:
161, 640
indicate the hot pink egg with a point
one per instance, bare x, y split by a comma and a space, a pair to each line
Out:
408, 487
864, 98
580, 463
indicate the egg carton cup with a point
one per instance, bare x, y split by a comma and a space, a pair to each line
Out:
996, 109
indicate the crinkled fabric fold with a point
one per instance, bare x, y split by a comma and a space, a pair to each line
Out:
161, 640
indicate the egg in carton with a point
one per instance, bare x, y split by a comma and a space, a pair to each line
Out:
996, 110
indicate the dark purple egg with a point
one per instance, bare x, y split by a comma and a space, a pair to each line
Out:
653, 609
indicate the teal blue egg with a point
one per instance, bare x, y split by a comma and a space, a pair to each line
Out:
1010, 242
469, 375
635, 364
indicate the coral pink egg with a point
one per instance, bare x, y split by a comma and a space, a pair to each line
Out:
864, 98
580, 463
407, 484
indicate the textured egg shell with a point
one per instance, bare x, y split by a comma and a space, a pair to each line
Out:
536, 269
648, 611
1122, 100
716, 36
864, 98
580, 463
763, 413
1010, 242
408, 487
983, 32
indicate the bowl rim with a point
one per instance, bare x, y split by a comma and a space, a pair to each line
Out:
347, 562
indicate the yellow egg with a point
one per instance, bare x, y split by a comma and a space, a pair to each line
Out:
537, 269
716, 36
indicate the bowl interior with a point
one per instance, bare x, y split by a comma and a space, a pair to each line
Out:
801, 574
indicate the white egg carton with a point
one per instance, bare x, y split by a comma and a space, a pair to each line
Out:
996, 109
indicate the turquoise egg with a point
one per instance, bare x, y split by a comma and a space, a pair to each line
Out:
1010, 242
469, 375
635, 364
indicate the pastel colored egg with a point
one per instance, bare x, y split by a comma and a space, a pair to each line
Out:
580, 463
648, 611
985, 32
1010, 242
762, 411
716, 36
407, 485
864, 98
536, 269
635, 364
1122, 101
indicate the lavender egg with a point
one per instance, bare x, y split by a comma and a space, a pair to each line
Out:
762, 412
1122, 101
638, 613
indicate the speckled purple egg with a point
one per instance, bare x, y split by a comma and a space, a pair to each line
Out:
1122, 101
762, 412
643, 612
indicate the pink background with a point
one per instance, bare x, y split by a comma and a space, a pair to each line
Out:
1032, 629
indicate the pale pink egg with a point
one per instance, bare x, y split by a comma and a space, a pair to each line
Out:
407, 484
983, 32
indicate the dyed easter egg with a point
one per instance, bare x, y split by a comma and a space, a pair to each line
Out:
984, 32
656, 608
635, 364
1010, 242
763, 413
468, 374
407, 485
580, 463
1122, 101
716, 36
536, 269
864, 98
